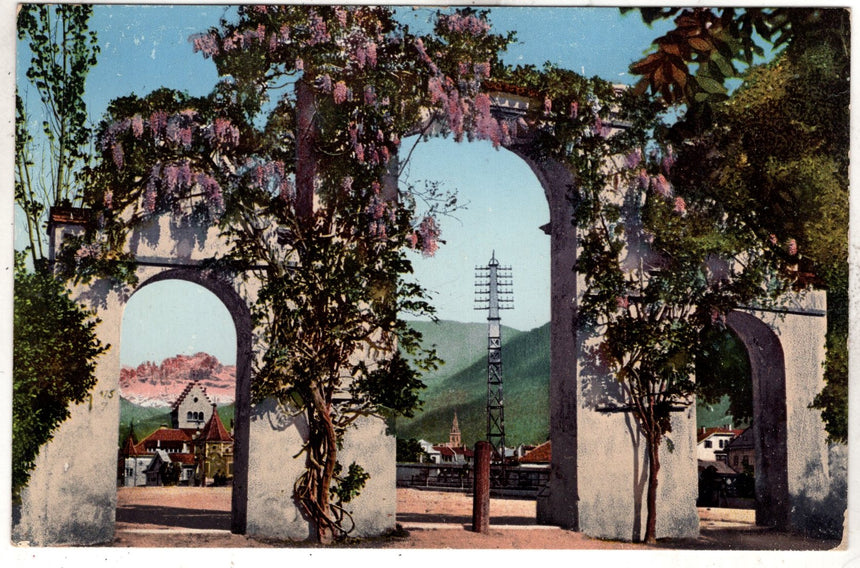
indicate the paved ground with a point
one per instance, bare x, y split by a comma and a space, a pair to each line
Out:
200, 517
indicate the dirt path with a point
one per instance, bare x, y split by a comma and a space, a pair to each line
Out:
165, 517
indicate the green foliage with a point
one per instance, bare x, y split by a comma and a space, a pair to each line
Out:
692, 63
349, 486
775, 157
458, 344
463, 388
290, 157
54, 353
723, 371
776, 151
410, 451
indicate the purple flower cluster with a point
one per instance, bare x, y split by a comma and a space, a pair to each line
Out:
340, 92
486, 125
464, 24
668, 161
205, 43
426, 237
317, 28
271, 177
178, 178
222, 134
633, 159
661, 186
91, 250
361, 50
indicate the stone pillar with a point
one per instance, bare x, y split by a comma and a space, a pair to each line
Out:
599, 469
71, 496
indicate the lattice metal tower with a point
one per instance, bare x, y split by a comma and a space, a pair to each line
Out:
494, 292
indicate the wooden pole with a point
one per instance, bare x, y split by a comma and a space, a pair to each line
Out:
481, 494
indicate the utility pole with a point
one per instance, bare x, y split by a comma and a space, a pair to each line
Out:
494, 292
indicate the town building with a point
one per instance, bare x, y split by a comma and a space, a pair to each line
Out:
740, 452
198, 448
192, 408
539, 456
452, 451
711, 442
133, 462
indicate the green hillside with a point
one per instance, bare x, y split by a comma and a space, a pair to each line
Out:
458, 344
526, 391
461, 385
148, 419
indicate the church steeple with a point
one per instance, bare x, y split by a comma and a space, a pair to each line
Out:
454, 438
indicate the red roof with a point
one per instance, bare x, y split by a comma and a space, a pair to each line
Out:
185, 459
703, 433
541, 454
165, 434
130, 449
444, 450
214, 431
464, 451
69, 215
451, 452
720, 467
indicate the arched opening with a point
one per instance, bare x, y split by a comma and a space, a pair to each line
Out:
185, 348
505, 214
767, 369
724, 412
741, 370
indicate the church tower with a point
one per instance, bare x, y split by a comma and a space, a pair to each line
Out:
454, 438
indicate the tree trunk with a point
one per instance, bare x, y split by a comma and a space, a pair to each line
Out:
653, 470
324, 526
306, 158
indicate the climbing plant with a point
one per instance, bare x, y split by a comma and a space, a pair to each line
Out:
292, 156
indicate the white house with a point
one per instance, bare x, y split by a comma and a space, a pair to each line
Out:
434, 455
711, 442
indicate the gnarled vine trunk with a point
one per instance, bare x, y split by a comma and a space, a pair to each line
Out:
653, 471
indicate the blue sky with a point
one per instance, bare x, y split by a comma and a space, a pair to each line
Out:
146, 47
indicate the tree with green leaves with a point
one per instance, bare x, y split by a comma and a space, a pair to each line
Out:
776, 149
660, 268
410, 451
54, 352
55, 346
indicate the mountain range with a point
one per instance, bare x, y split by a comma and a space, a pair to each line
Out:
461, 384
158, 385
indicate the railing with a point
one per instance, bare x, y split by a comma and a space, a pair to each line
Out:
514, 482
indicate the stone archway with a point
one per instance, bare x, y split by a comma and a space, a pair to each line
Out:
72, 494
71, 501
767, 369
792, 462
241, 316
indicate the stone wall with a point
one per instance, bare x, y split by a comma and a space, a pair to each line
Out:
71, 497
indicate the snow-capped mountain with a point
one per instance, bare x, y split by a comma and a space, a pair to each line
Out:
150, 384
